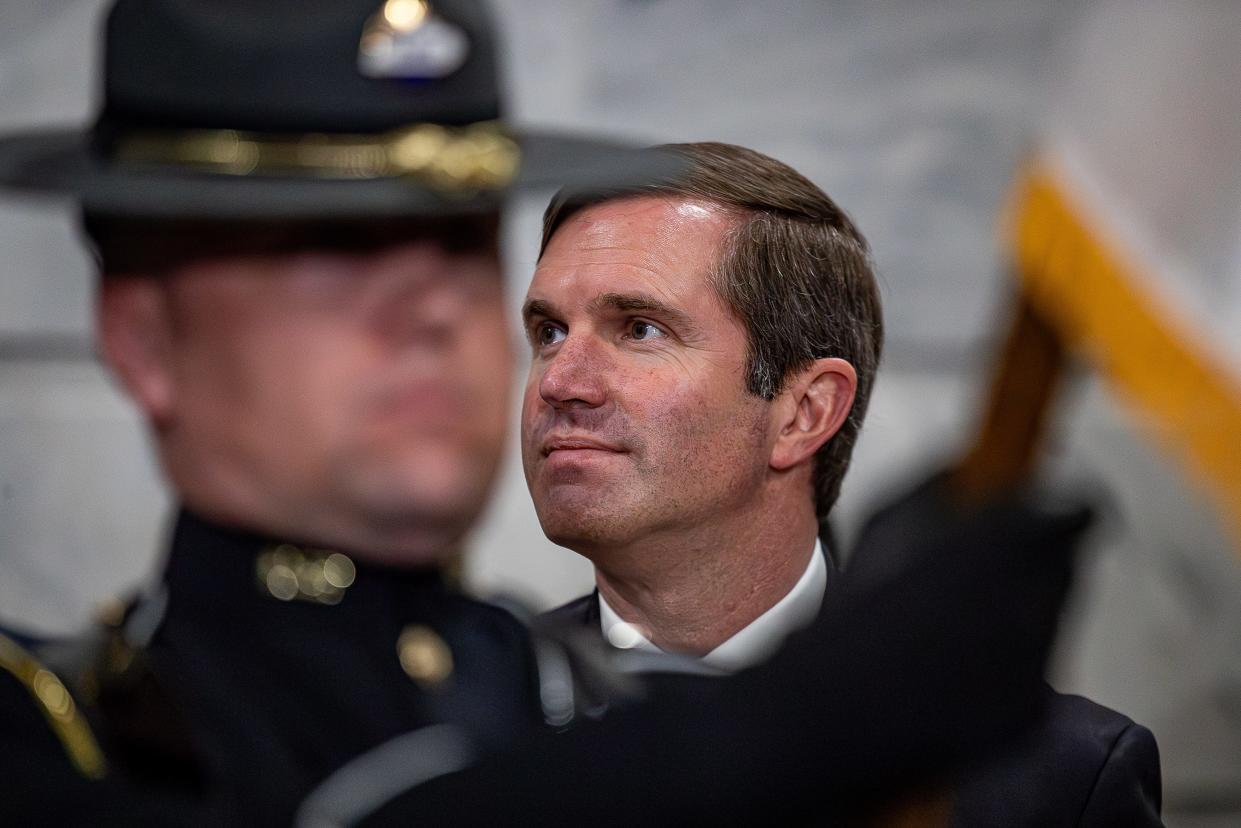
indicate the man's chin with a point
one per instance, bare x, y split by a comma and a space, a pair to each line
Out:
408, 532
581, 528
419, 501
428, 505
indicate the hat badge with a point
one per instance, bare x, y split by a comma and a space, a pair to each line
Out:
406, 40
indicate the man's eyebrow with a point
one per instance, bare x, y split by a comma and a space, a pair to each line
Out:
536, 307
643, 303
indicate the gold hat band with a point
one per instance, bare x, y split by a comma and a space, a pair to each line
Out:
450, 160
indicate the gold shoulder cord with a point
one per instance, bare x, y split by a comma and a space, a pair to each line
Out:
57, 705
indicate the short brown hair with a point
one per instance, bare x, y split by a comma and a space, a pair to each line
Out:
796, 272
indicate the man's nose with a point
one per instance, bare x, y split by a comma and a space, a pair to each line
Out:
429, 311
576, 376
436, 312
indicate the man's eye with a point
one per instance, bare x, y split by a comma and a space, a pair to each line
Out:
640, 330
547, 334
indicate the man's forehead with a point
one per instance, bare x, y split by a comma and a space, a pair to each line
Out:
647, 237
650, 252
660, 215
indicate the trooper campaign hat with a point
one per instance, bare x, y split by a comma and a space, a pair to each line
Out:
305, 109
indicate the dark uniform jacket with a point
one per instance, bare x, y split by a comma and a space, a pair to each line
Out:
254, 669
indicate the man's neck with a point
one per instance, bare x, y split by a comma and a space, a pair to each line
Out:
691, 592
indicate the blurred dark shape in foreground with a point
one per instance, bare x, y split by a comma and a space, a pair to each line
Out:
909, 676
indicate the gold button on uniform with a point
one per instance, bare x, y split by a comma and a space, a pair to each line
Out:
424, 656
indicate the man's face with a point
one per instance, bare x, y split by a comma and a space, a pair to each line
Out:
347, 397
636, 419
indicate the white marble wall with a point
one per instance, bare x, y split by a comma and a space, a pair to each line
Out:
913, 115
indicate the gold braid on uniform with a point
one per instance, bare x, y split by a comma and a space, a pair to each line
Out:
54, 699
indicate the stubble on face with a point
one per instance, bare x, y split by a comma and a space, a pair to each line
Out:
683, 467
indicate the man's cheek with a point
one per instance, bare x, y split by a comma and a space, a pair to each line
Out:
535, 419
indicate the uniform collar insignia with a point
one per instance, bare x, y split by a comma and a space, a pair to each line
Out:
295, 573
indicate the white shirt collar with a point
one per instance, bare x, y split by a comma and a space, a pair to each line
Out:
753, 643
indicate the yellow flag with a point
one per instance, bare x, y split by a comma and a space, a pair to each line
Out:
1126, 226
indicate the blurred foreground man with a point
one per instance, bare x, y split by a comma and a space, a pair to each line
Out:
703, 357
295, 209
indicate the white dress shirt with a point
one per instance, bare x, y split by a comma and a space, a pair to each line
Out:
753, 643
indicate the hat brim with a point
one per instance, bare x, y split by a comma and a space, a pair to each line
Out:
62, 163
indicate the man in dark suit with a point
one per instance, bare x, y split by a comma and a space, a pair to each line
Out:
703, 356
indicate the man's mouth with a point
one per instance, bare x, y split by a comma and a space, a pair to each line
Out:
576, 442
428, 404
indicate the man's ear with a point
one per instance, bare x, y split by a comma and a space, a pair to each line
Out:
812, 407
135, 337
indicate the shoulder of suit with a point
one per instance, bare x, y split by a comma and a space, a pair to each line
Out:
1087, 724
1083, 735
1054, 772
55, 703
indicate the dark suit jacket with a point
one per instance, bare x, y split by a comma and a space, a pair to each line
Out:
1082, 764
